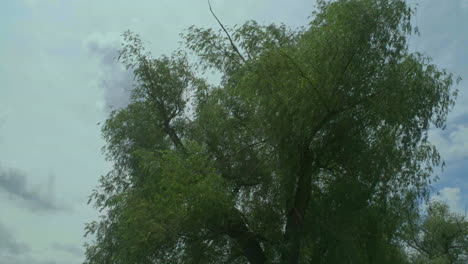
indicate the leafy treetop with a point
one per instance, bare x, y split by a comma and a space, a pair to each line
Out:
308, 151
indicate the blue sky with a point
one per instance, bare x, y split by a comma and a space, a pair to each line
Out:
444, 37
58, 80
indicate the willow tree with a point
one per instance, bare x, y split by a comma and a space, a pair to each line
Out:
438, 237
307, 151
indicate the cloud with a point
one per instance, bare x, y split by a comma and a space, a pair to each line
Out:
14, 183
464, 4
26, 260
69, 248
116, 82
452, 196
452, 144
9, 245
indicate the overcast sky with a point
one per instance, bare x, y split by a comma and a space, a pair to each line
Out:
58, 79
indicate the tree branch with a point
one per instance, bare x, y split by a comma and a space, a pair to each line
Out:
227, 33
249, 243
166, 119
296, 213
303, 75
244, 148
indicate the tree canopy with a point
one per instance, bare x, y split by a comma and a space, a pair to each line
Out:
308, 150
438, 237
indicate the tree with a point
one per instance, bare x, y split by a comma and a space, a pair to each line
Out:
439, 237
307, 151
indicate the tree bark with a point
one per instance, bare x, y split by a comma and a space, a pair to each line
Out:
295, 215
245, 239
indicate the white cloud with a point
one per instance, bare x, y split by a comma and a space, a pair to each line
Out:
9, 244
116, 82
454, 146
452, 196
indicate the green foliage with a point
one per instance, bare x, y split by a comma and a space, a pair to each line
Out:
313, 149
439, 237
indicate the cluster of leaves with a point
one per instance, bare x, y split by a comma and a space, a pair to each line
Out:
438, 237
308, 151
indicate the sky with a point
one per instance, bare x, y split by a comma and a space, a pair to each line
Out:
59, 79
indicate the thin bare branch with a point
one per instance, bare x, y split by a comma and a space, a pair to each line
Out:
227, 33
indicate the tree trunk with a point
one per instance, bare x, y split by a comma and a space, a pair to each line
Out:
246, 240
295, 215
